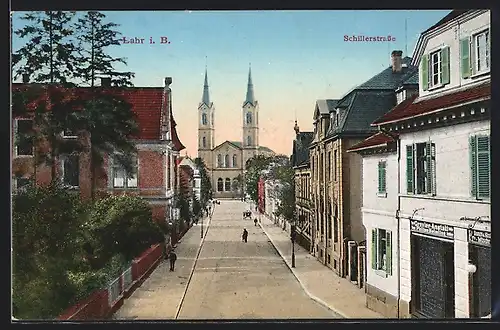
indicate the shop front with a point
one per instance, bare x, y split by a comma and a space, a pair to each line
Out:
480, 273
433, 273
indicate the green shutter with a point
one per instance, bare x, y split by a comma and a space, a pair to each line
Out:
381, 177
374, 249
409, 169
424, 72
473, 166
430, 170
465, 57
483, 166
445, 65
388, 251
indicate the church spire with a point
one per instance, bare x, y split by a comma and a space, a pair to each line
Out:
206, 95
250, 97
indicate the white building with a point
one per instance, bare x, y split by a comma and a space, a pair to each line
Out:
444, 172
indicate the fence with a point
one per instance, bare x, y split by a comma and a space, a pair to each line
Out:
100, 304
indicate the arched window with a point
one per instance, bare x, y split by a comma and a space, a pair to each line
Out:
220, 184
226, 161
249, 140
219, 160
249, 117
204, 142
235, 161
227, 184
204, 120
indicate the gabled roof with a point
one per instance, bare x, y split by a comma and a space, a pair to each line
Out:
177, 144
380, 139
235, 144
370, 100
300, 152
364, 108
451, 15
413, 107
146, 103
324, 107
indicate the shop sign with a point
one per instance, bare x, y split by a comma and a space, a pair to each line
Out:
433, 229
480, 237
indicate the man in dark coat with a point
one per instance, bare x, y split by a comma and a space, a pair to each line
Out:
244, 236
172, 257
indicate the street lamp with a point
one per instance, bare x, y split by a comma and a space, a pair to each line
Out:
293, 234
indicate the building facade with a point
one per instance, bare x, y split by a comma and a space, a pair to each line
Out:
444, 206
337, 175
226, 161
303, 204
155, 176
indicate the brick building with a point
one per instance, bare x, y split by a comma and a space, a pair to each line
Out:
156, 176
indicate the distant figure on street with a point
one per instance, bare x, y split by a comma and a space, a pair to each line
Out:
255, 222
244, 236
172, 257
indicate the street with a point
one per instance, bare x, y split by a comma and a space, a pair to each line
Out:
237, 280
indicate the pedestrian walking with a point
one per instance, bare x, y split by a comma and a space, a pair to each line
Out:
244, 236
172, 257
255, 222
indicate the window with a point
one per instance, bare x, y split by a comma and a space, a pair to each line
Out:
169, 173
479, 155
382, 251
122, 179
204, 120
382, 178
249, 140
24, 137
227, 185
235, 161
220, 184
249, 118
329, 166
435, 69
335, 223
204, 142
335, 165
20, 183
481, 44
70, 165
219, 160
421, 168
226, 161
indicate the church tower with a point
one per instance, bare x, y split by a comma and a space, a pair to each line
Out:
206, 128
250, 141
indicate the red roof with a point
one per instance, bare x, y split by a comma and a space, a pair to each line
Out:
146, 103
409, 109
380, 139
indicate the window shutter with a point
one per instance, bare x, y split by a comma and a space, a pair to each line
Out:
473, 166
483, 166
388, 251
383, 177
380, 177
430, 170
374, 248
424, 72
465, 61
445, 63
409, 169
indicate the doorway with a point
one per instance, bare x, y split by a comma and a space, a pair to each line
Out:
433, 278
480, 294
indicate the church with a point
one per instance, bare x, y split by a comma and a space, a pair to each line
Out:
226, 161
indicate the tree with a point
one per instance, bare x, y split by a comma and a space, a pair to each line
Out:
254, 167
49, 53
94, 38
206, 184
237, 184
285, 176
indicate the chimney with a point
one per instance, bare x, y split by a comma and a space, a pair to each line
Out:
26, 78
396, 60
105, 82
168, 81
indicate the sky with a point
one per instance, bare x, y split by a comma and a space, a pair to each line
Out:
297, 57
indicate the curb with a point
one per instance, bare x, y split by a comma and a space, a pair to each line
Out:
313, 297
179, 306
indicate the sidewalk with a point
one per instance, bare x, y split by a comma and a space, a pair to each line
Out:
160, 296
319, 282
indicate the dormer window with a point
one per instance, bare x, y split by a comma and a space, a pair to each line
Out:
481, 43
435, 68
